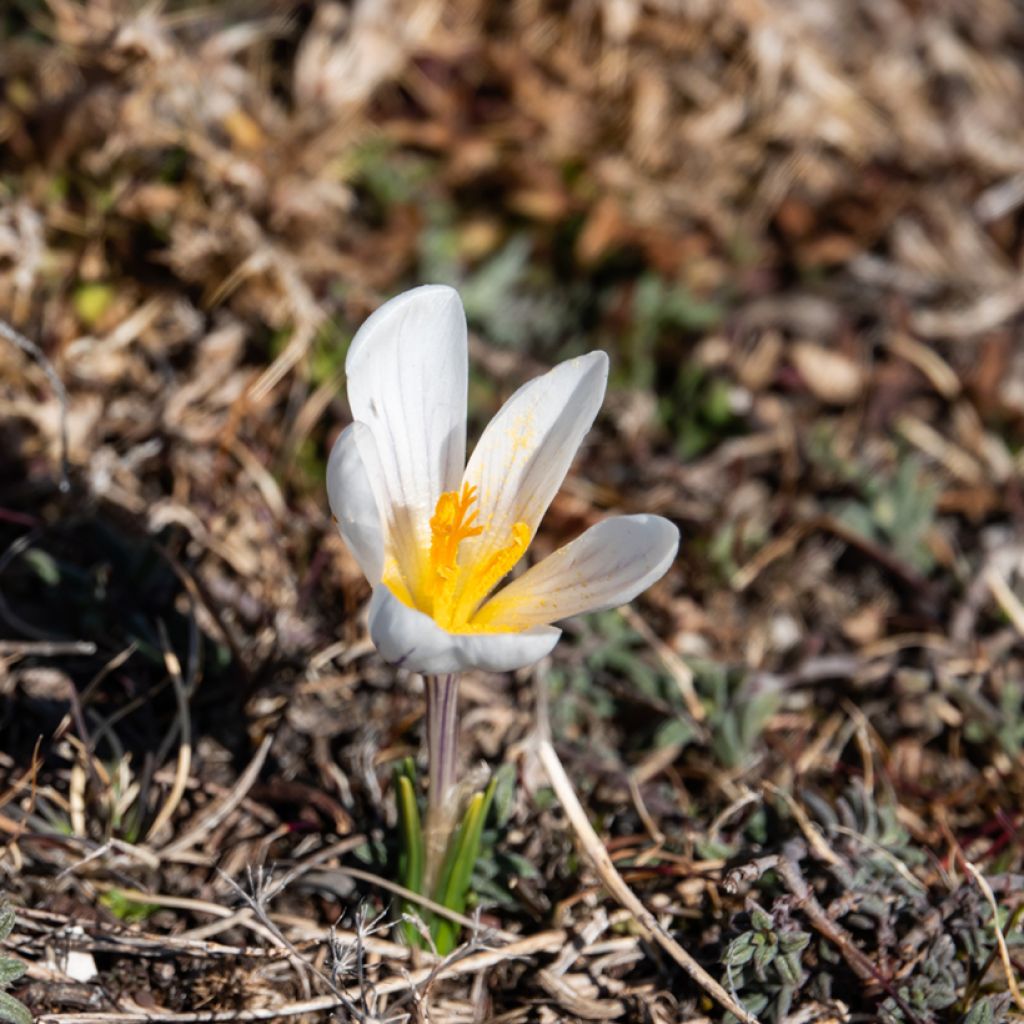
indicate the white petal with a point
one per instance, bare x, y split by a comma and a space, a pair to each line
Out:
351, 496
526, 450
413, 640
407, 374
606, 566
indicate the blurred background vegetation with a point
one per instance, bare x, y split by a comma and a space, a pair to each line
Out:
797, 229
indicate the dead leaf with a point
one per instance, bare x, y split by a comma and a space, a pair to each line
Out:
830, 375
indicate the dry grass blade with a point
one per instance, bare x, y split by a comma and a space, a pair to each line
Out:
610, 878
414, 897
34, 352
813, 835
45, 648
184, 761
220, 811
1004, 953
676, 667
1007, 599
543, 942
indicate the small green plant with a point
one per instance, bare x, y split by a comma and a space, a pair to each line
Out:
738, 710
454, 881
934, 986
738, 705
734, 542
575, 695
660, 307
894, 506
12, 1011
1000, 719
1011, 718
768, 952
933, 961
127, 908
515, 302
898, 510
989, 1010
390, 178
699, 410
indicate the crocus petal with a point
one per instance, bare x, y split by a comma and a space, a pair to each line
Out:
408, 638
351, 496
526, 450
606, 566
407, 376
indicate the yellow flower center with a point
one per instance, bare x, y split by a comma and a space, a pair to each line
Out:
452, 592
451, 524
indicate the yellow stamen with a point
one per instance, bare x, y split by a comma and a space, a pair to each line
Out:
452, 592
450, 525
485, 575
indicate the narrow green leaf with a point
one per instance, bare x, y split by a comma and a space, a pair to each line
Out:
504, 793
764, 955
13, 1012
411, 832
407, 767
411, 857
10, 971
740, 951
794, 942
6, 922
788, 966
44, 565
457, 871
980, 1013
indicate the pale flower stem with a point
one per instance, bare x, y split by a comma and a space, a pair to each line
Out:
442, 738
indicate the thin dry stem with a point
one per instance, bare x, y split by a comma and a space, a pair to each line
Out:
1004, 952
543, 942
442, 694
595, 851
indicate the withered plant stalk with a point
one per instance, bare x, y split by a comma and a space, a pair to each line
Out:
442, 802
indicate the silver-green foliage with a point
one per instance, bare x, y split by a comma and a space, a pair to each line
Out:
11, 1010
770, 952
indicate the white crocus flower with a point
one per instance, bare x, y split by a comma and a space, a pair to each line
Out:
436, 537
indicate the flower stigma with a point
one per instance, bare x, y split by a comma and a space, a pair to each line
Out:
452, 592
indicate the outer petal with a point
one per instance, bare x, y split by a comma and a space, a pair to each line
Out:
526, 450
351, 496
604, 567
407, 374
413, 640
